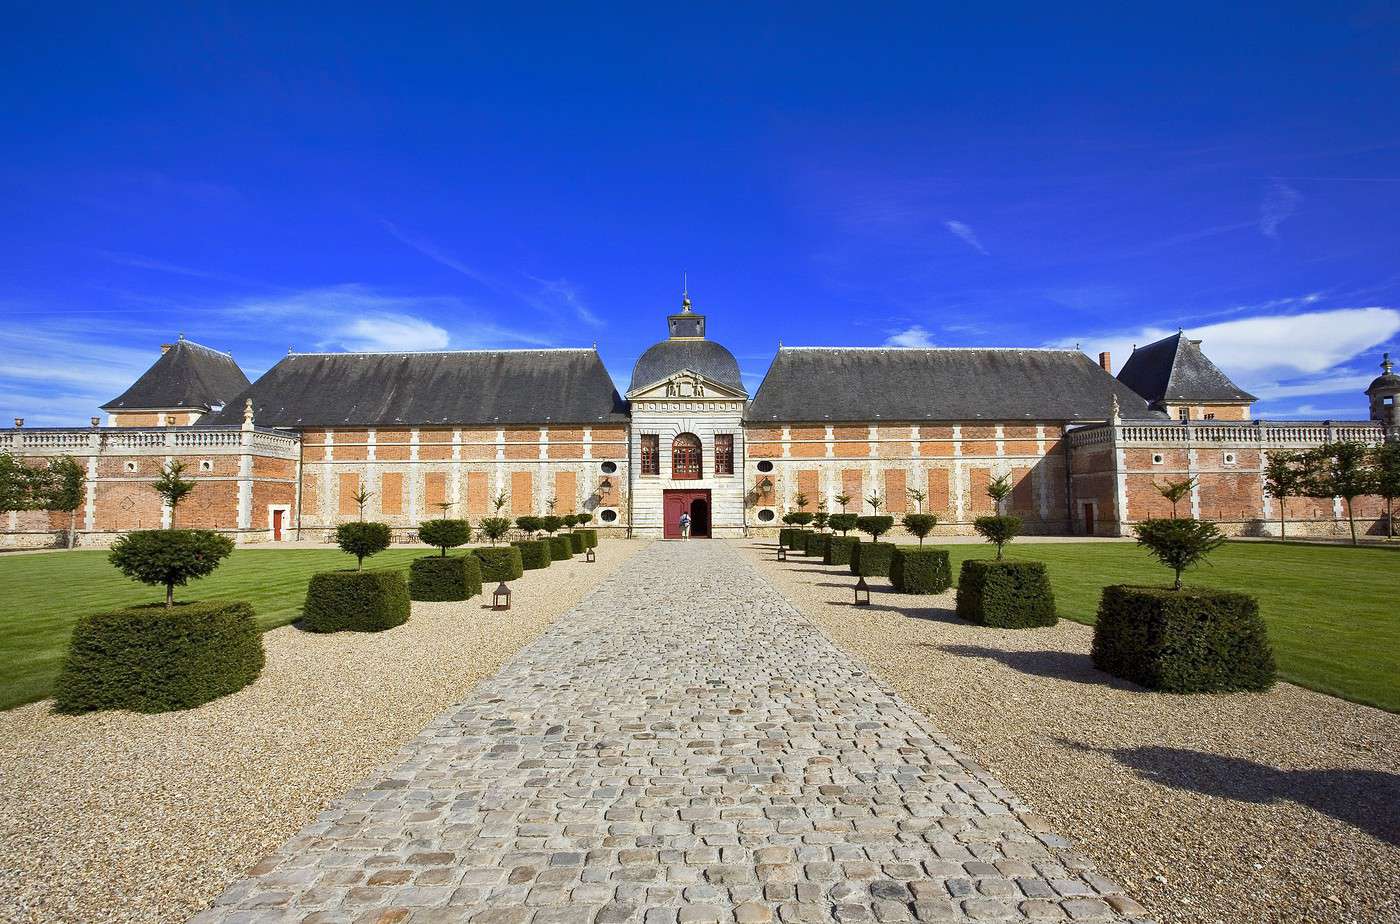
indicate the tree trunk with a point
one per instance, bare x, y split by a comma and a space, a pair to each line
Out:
169, 595
72, 527
1282, 519
1177, 585
1351, 521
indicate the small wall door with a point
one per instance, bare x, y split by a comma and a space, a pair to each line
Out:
1088, 519
277, 525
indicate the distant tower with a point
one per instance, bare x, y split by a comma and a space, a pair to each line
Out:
1384, 393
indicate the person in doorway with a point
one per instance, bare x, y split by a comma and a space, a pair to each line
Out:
685, 525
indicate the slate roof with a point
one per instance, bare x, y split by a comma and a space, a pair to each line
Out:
187, 375
668, 357
813, 384
1387, 380
469, 387
1175, 369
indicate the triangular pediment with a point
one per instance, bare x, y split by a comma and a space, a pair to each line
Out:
687, 385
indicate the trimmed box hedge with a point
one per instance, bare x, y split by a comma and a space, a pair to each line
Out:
534, 554
871, 559
499, 562
1192, 640
157, 658
560, 549
576, 543
795, 538
917, 570
450, 577
355, 601
838, 550
590, 538
1005, 594
817, 543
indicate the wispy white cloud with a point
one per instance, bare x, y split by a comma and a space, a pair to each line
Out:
137, 261
915, 336
968, 236
390, 333
1279, 204
1277, 356
433, 252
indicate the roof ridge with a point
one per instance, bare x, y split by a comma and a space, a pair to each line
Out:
441, 352
935, 349
187, 342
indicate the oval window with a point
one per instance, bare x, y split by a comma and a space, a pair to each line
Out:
765, 516
765, 466
609, 468
608, 516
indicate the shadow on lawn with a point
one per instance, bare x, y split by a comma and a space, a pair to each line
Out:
1368, 800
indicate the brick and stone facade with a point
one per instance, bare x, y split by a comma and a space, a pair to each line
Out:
436, 434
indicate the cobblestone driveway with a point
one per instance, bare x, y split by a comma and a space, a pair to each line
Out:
683, 746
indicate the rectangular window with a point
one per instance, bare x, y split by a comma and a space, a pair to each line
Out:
724, 453
651, 454
1184, 413
1210, 417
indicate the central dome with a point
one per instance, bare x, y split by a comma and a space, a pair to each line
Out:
687, 349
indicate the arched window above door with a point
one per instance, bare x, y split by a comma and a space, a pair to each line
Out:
685, 456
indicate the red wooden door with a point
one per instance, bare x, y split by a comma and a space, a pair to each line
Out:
277, 526
674, 503
1088, 519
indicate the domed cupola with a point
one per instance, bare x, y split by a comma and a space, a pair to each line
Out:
686, 350
1384, 393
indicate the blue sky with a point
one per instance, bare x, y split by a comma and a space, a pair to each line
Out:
423, 178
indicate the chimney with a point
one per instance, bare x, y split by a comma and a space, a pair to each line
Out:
165, 348
1106, 362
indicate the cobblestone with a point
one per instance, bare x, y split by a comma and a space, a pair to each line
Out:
683, 746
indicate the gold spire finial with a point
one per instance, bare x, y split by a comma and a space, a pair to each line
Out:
685, 294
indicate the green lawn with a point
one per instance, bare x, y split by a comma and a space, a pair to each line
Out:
44, 594
1333, 612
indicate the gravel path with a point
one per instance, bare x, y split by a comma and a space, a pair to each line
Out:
683, 747
1283, 807
124, 817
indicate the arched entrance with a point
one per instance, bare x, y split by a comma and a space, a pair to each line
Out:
700, 517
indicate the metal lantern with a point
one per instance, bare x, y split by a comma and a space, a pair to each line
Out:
589, 554
500, 600
782, 551
862, 588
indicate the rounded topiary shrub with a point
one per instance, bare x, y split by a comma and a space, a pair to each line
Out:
1006, 594
355, 601
437, 578
917, 570
871, 559
576, 543
590, 538
560, 548
534, 553
838, 550
1192, 640
499, 563
157, 658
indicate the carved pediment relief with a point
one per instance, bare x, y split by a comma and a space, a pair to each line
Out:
685, 384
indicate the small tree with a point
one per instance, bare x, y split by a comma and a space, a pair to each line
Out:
917, 497
171, 487
1341, 470
65, 491
999, 489
875, 526
498, 502
361, 497
570, 521
551, 524
819, 519
445, 534
1284, 477
583, 519
169, 557
550, 504
529, 525
875, 501
843, 522
843, 500
998, 529
1385, 467
919, 524
362, 540
17, 484
801, 517
1176, 491
1178, 543
495, 528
